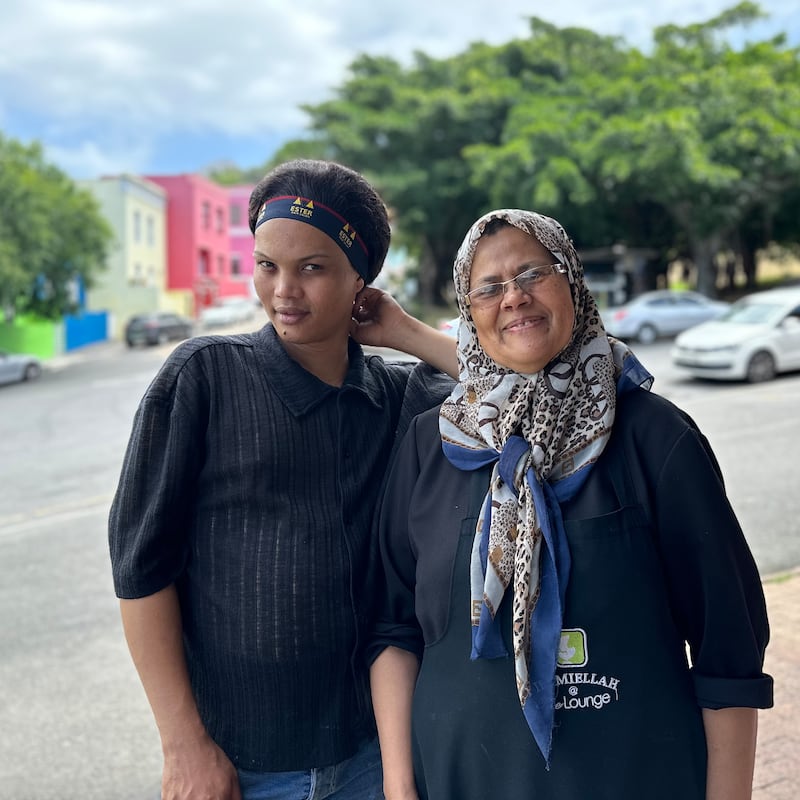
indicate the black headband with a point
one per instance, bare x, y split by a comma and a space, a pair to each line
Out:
322, 218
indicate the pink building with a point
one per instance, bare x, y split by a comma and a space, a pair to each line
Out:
198, 244
241, 240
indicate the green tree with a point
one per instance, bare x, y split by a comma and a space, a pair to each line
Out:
446, 140
568, 87
51, 234
692, 150
718, 138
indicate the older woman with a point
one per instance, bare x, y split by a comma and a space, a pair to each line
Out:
552, 538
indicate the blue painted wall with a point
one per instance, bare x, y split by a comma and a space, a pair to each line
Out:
86, 328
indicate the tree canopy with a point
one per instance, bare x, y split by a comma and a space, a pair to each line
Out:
691, 150
51, 234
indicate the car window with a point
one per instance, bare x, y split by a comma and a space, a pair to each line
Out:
748, 313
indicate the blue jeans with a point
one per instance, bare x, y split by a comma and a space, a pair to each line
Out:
357, 778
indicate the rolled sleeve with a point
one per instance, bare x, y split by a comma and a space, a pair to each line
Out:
733, 692
405, 637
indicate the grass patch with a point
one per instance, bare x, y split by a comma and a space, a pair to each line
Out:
781, 577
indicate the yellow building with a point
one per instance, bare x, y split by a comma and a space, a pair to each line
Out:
135, 280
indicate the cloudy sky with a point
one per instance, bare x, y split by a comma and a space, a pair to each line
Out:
169, 86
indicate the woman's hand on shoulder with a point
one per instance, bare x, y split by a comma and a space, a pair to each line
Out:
378, 319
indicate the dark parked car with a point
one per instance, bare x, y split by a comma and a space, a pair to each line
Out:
157, 328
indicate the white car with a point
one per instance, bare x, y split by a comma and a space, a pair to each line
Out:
18, 367
228, 311
660, 313
758, 338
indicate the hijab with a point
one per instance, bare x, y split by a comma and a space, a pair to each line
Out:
543, 432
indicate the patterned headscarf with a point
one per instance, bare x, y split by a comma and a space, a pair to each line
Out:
544, 431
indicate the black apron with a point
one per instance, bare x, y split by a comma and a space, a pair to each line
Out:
627, 725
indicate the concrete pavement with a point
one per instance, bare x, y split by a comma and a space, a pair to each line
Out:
777, 775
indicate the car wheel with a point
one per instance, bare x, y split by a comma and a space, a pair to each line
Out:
32, 371
761, 367
647, 334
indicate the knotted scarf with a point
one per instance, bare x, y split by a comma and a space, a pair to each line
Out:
544, 432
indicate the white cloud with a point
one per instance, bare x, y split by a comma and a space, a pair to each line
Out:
91, 159
108, 80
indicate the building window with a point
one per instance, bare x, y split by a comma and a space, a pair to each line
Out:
137, 278
137, 227
206, 211
202, 263
236, 214
220, 220
236, 264
151, 230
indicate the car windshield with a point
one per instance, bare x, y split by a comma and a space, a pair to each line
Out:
747, 312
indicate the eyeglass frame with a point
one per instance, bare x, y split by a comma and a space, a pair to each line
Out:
554, 269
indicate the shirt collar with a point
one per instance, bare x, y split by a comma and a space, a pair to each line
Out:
298, 389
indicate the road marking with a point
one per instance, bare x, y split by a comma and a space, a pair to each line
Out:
142, 378
17, 523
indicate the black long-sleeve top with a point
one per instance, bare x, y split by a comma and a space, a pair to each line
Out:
658, 561
250, 485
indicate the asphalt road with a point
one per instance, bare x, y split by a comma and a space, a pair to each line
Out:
75, 722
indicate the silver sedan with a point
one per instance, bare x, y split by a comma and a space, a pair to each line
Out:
665, 312
18, 367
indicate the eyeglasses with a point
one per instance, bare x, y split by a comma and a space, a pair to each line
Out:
526, 281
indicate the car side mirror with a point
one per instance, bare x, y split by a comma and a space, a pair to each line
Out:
791, 323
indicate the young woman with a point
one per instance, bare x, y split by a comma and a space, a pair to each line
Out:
240, 530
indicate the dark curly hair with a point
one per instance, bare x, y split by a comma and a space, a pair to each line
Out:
343, 189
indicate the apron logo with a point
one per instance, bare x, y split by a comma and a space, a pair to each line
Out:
572, 650
581, 690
